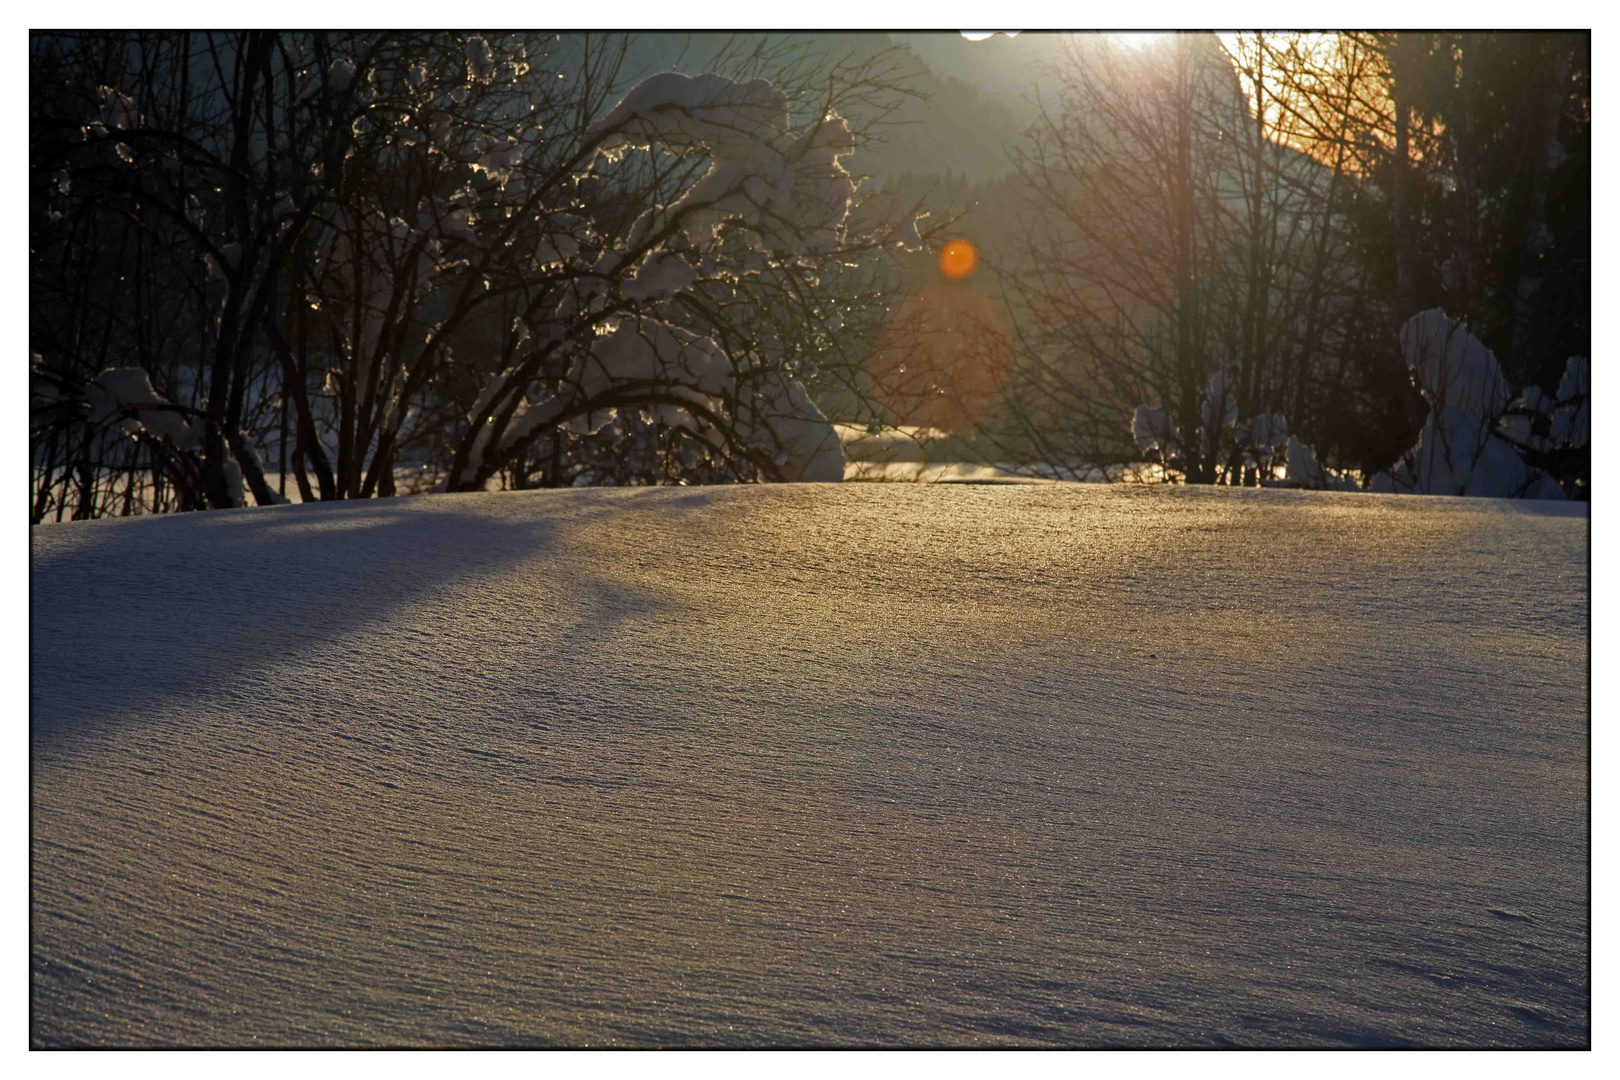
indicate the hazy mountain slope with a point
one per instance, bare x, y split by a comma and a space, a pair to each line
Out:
1010, 68
963, 116
846, 764
972, 104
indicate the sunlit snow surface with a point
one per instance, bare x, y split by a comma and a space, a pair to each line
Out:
853, 764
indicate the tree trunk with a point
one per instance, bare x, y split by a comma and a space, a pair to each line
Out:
1403, 73
1531, 272
1187, 367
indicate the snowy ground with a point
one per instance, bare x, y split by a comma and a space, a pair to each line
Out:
852, 764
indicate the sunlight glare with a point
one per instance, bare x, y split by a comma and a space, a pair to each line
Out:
1136, 39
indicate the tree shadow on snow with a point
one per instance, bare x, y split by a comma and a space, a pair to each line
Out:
137, 614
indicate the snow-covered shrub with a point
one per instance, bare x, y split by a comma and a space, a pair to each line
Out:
1479, 439
1304, 470
772, 200
1467, 445
1252, 450
431, 247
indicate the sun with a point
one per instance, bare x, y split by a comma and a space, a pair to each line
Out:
1135, 39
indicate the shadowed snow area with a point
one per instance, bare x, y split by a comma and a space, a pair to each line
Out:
799, 764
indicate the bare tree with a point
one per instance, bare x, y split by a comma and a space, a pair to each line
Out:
1181, 256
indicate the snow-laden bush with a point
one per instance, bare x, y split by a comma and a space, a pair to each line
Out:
1254, 450
774, 192
460, 255
1304, 470
1479, 439
1475, 439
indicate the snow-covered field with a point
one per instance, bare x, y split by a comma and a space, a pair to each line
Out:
850, 764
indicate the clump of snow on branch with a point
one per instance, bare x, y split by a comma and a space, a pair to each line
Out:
684, 113
662, 273
498, 159
1219, 408
117, 113
560, 239
340, 75
1268, 431
789, 188
1546, 423
907, 235
126, 395
1152, 430
118, 391
480, 60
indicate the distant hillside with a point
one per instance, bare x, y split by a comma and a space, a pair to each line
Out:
1008, 69
972, 100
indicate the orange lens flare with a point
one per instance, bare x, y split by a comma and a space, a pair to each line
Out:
957, 259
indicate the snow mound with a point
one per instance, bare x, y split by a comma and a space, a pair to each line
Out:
887, 765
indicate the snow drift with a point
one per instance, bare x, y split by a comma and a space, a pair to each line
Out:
814, 764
